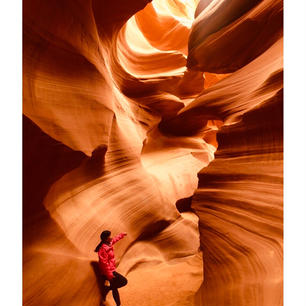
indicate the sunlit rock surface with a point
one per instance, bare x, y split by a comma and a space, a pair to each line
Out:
162, 119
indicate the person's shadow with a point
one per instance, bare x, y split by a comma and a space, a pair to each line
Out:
100, 281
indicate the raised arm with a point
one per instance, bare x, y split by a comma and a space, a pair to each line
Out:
118, 237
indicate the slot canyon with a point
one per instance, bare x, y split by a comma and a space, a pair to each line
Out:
162, 119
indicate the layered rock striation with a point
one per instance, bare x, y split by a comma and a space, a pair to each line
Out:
162, 119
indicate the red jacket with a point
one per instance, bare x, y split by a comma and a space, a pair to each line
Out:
106, 254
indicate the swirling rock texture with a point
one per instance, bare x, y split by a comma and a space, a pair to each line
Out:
162, 119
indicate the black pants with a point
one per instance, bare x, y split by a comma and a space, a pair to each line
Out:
117, 282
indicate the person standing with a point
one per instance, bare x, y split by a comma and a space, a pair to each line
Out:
107, 263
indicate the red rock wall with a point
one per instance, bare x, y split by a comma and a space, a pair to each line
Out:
162, 119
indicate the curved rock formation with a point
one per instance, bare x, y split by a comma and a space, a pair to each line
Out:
245, 29
239, 204
125, 102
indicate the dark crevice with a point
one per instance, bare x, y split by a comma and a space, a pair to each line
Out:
153, 230
184, 205
45, 160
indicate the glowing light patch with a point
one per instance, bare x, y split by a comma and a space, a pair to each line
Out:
181, 10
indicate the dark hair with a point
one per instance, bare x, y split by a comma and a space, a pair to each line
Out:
104, 235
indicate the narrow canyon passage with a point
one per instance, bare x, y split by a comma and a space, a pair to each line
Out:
162, 119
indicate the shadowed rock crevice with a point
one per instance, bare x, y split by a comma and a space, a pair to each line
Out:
43, 155
153, 230
184, 205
